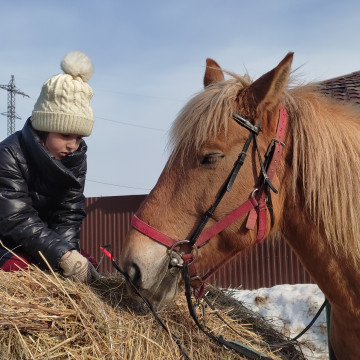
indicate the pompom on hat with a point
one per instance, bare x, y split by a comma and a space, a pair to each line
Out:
64, 102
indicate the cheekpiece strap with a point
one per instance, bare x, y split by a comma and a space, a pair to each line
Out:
247, 124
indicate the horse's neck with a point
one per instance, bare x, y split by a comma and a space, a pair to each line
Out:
336, 274
344, 334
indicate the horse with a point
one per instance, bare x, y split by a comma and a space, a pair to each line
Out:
309, 199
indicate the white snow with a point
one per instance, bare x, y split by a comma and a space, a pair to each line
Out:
290, 308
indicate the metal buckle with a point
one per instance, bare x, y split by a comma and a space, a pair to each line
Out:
174, 260
271, 145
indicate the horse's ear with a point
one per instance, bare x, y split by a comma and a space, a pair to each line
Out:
267, 89
213, 72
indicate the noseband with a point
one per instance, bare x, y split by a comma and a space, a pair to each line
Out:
258, 202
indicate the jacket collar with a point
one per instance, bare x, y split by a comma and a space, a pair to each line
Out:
59, 172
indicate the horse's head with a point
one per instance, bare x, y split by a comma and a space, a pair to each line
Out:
207, 141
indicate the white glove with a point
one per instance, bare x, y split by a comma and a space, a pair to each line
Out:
77, 267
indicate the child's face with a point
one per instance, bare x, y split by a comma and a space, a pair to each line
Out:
59, 145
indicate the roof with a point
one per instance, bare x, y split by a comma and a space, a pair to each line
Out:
346, 87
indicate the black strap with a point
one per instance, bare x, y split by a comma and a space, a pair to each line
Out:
212, 307
254, 129
150, 306
247, 124
305, 330
279, 345
269, 205
239, 162
238, 347
263, 169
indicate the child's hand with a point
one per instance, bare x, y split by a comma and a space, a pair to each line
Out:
77, 267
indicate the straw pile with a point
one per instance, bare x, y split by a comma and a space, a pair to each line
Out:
44, 316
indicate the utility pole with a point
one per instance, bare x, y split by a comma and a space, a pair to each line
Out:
11, 114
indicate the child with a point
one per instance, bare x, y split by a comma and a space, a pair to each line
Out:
42, 176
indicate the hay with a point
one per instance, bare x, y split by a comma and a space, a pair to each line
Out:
44, 316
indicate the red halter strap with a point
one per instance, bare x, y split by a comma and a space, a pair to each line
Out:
205, 236
256, 205
278, 144
152, 233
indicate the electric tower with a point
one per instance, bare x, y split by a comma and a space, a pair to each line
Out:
11, 114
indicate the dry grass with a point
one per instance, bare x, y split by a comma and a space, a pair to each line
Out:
44, 316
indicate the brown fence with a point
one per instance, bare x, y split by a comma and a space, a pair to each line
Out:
269, 263
264, 265
107, 222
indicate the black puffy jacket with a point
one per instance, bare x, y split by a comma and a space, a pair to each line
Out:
41, 198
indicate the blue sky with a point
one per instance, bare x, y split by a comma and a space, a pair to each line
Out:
149, 59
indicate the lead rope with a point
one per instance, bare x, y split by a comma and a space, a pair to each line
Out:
237, 347
148, 304
324, 304
241, 349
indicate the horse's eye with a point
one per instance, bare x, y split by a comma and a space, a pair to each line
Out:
211, 159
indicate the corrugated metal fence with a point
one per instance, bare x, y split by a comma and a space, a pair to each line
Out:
264, 265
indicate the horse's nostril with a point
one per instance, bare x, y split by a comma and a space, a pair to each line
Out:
134, 274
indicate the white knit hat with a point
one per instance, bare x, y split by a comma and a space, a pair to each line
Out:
64, 102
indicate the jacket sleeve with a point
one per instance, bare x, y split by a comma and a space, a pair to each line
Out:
67, 218
20, 225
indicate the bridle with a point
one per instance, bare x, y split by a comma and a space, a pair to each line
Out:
256, 206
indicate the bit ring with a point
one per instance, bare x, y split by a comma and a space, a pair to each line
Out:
172, 249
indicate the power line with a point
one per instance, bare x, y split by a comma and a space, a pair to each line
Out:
11, 114
140, 95
129, 124
122, 186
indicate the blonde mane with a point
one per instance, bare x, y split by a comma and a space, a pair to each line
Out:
203, 117
326, 151
326, 154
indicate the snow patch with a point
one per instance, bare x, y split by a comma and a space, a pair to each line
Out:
290, 308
